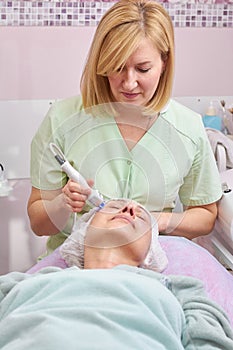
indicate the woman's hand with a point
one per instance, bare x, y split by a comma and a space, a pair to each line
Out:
75, 196
49, 211
191, 223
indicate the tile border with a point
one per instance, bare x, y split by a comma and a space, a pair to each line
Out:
205, 13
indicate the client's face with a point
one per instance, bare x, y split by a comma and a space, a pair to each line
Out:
122, 227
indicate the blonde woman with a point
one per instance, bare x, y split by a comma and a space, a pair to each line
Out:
125, 134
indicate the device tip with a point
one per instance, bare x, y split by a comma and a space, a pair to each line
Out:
59, 159
101, 205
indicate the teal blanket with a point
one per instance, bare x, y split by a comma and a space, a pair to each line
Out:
115, 309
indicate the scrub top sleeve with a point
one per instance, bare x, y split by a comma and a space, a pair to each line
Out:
202, 185
45, 171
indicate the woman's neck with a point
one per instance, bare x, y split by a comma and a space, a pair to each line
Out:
133, 131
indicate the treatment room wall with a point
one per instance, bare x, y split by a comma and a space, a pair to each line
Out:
46, 62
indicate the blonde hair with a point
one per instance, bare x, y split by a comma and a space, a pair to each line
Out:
118, 35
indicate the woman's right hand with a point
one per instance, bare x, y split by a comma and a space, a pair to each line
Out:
49, 211
75, 196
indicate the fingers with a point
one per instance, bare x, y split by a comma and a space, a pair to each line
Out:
75, 196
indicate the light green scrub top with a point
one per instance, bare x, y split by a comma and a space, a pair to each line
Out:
173, 158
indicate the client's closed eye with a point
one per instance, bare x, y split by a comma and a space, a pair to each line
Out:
114, 206
141, 216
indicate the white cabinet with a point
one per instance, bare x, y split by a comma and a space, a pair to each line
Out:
19, 246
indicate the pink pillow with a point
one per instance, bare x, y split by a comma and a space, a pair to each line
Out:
189, 259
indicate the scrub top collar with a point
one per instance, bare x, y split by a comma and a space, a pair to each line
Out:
165, 108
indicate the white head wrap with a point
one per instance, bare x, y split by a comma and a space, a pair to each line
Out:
72, 250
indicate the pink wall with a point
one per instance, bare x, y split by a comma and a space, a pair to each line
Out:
204, 62
46, 63
42, 62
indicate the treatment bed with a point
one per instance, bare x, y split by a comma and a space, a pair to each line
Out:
184, 258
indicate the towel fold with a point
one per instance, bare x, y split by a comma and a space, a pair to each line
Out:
217, 138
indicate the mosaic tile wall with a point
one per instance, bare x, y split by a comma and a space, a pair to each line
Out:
185, 13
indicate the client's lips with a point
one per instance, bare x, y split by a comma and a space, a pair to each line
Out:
125, 218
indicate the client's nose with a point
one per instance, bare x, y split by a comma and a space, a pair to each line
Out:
129, 209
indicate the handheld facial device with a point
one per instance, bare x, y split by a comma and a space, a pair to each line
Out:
95, 198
